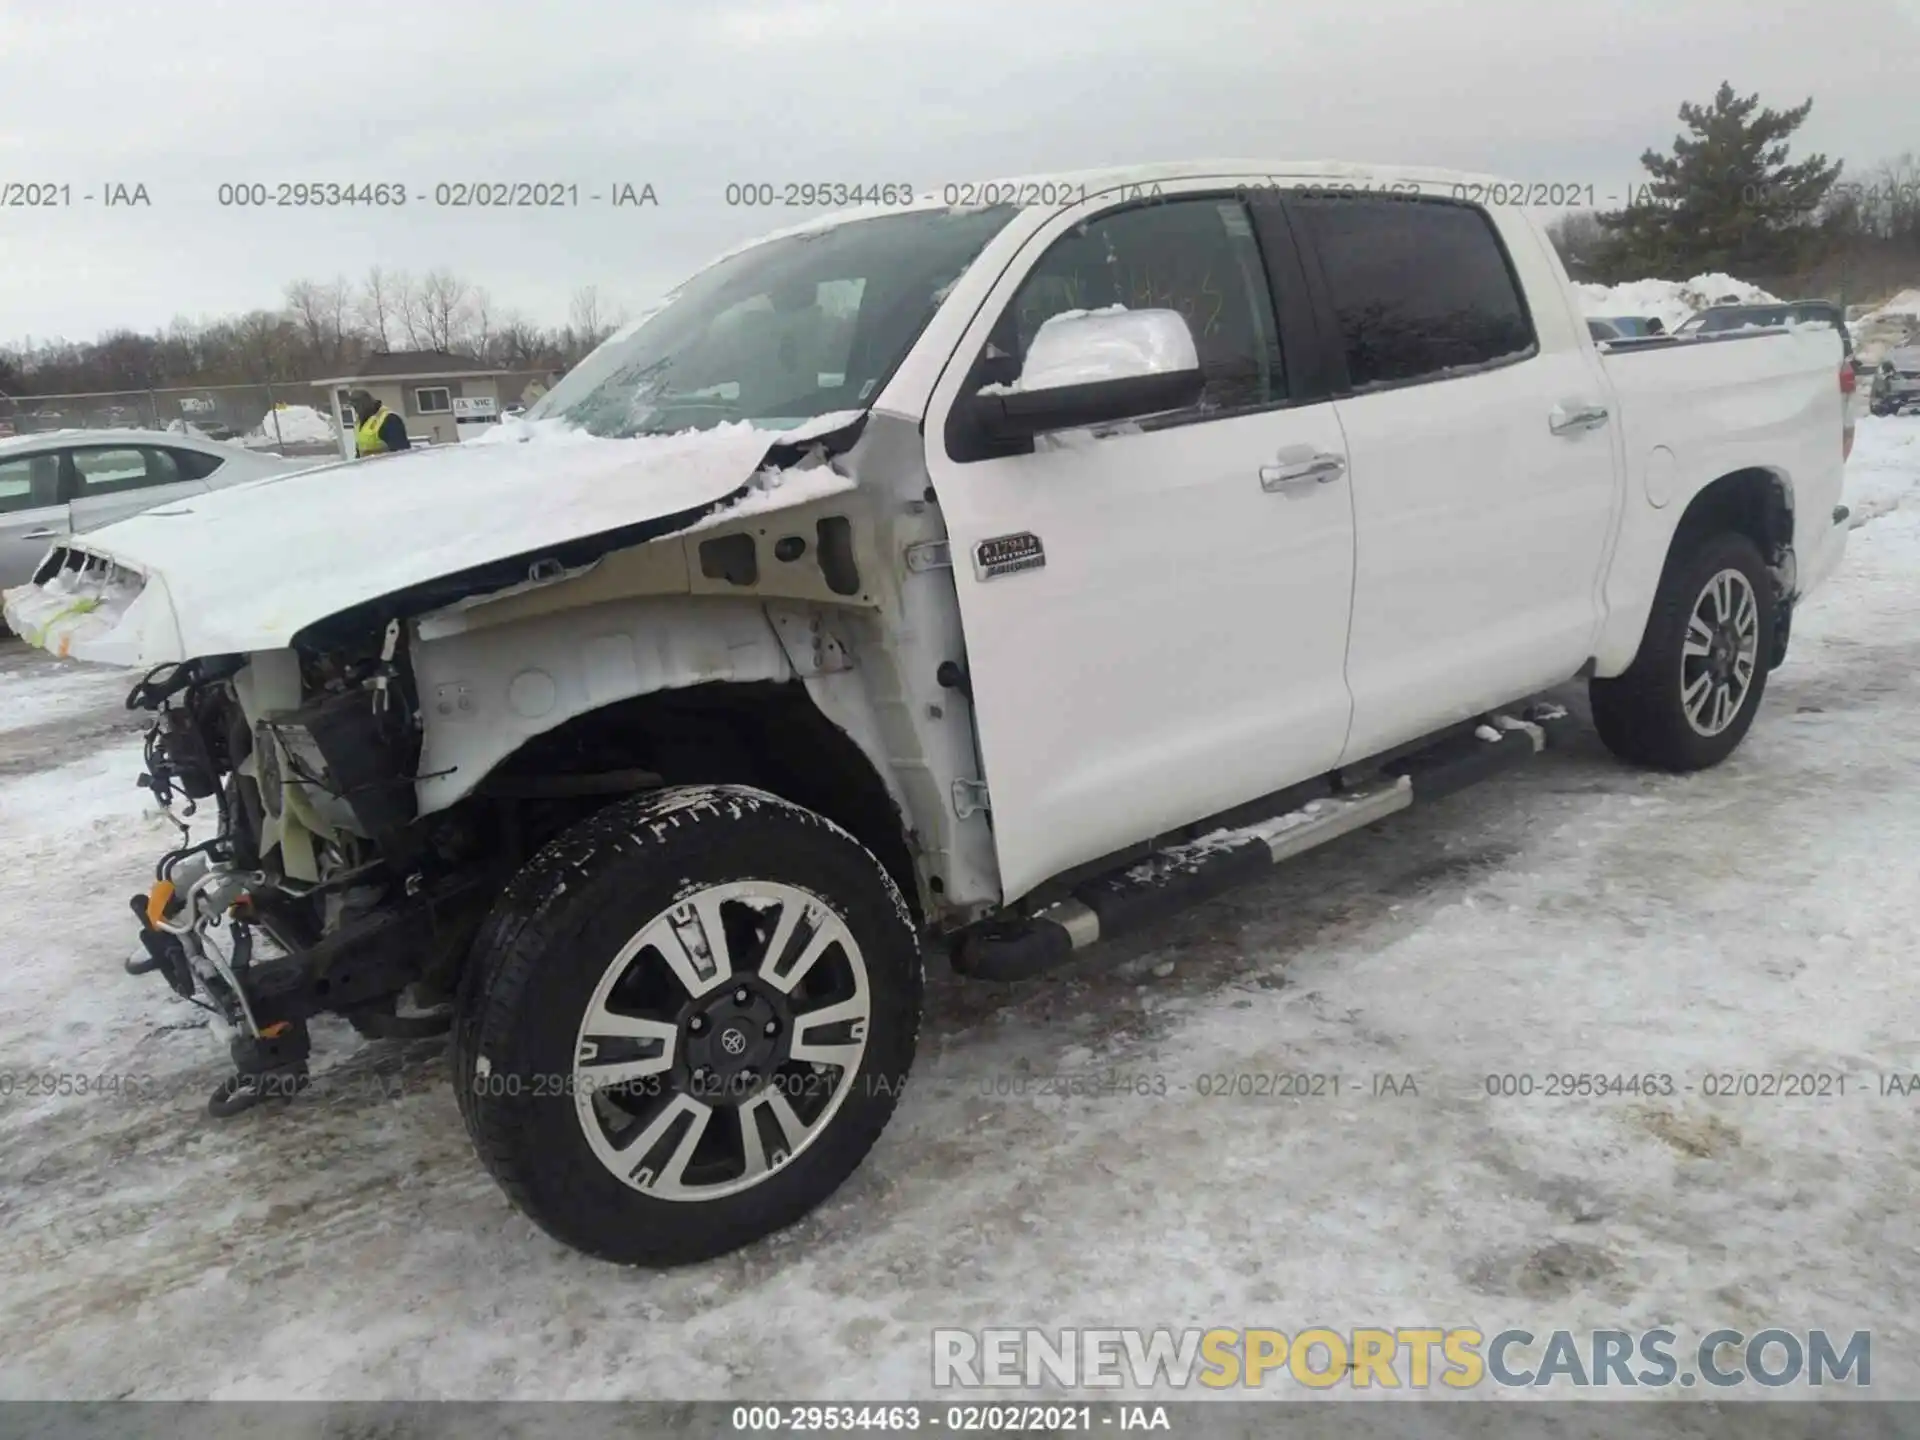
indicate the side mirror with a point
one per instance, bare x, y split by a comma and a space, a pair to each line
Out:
1094, 367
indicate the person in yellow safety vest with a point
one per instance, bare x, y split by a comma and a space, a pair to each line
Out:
379, 429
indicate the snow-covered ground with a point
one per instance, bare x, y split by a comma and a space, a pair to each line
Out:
1578, 916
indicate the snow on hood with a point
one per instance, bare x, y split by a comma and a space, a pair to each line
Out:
249, 567
1669, 301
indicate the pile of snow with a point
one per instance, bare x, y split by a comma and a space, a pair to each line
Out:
292, 425
1905, 305
195, 428
1887, 327
1670, 301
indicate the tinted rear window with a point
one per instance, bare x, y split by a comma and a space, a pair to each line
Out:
1421, 288
1738, 319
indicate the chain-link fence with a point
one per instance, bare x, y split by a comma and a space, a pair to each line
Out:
281, 419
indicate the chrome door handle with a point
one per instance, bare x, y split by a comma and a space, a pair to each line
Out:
1322, 469
39, 534
1563, 421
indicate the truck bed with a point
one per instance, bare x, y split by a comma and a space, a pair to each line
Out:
1692, 409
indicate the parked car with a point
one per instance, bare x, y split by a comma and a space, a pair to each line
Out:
1634, 327
1722, 318
1896, 382
1725, 318
70, 481
658, 740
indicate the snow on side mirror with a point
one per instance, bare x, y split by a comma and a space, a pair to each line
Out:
1095, 367
1085, 347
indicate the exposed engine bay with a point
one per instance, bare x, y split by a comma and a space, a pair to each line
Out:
319, 889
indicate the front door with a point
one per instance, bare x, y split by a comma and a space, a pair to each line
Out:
1168, 637
32, 515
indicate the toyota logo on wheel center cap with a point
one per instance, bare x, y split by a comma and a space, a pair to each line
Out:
733, 1041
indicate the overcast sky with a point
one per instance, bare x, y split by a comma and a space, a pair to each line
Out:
182, 95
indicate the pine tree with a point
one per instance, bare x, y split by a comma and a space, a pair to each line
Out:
1726, 198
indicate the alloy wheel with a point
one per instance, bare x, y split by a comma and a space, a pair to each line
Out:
721, 1039
1719, 653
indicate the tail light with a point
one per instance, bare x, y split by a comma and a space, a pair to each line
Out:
1847, 383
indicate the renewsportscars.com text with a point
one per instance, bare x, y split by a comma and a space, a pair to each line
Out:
1398, 1357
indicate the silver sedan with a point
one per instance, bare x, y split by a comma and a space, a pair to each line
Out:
65, 481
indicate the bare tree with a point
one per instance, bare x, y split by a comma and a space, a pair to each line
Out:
589, 318
410, 319
519, 344
261, 341
322, 313
379, 306
478, 336
440, 311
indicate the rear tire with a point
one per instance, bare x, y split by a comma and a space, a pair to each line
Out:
685, 1023
1691, 693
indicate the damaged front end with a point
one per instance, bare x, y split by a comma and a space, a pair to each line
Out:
319, 889
327, 863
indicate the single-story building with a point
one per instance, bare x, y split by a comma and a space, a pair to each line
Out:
422, 386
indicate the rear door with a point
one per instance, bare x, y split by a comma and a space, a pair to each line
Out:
1171, 643
1485, 483
110, 482
32, 514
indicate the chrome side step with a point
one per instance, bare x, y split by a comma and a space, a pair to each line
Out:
1131, 896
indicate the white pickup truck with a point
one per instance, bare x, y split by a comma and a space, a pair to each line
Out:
999, 575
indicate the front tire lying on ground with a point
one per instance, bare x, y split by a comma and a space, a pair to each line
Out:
685, 1023
1690, 695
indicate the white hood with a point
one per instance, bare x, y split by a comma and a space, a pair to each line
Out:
247, 568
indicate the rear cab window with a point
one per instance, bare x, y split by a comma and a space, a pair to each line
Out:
1420, 289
